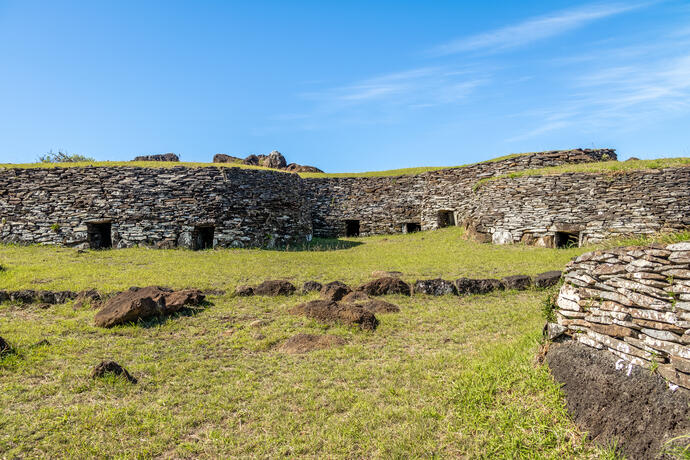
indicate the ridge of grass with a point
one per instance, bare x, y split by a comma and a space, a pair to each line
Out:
609, 167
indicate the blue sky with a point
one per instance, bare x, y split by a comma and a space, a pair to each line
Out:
346, 86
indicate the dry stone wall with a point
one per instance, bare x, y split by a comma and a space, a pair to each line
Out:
587, 206
633, 302
387, 204
188, 207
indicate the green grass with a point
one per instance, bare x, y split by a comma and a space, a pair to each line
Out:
446, 377
609, 167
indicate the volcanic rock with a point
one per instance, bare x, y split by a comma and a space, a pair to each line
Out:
159, 157
518, 282
435, 287
385, 286
274, 288
546, 279
481, 286
311, 286
335, 291
111, 367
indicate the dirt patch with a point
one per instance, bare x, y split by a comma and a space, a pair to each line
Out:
380, 306
330, 312
615, 402
304, 343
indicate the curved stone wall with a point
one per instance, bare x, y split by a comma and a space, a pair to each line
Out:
588, 206
153, 207
387, 204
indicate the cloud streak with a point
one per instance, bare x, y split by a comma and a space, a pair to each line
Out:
533, 30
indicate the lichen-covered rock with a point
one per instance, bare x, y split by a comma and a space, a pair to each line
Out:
435, 287
517, 282
275, 288
244, 291
385, 286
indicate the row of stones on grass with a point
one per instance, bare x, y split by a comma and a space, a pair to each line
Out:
633, 302
394, 285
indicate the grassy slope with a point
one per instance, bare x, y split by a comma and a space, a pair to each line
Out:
446, 377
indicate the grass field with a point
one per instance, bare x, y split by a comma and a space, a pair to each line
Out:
446, 377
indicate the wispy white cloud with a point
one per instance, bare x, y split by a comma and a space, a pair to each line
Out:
535, 29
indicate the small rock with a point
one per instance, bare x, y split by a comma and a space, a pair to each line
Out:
111, 367
385, 286
436, 287
274, 288
4, 296
244, 291
517, 282
46, 297
547, 279
335, 291
481, 286
23, 296
311, 286
553, 330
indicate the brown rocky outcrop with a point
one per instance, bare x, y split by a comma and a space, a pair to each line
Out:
311, 286
296, 168
480, 286
335, 291
139, 304
222, 158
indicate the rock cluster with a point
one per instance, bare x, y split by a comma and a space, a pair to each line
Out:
158, 157
274, 160
633, 302
138, 304
267, 288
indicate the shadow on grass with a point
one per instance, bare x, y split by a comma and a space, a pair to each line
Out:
319, 245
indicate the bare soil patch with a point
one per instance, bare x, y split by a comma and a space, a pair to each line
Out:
304, 343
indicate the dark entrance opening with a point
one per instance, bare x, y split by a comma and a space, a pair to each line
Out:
412, 227
202, 237
99, 235
567, 240
351, 228
446, 219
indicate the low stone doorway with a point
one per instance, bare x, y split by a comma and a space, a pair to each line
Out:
99, 235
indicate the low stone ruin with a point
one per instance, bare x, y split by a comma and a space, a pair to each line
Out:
158, 157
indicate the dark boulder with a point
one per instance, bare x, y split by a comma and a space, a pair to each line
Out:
435, 287
222, 158
64, 296
46, 297
274, 288
5, 347
244, 291
143, 303
517, 282
330, 312
311, 286
4, 296
547, 279
112, 368
251, 160
385, 286
158, 157
335, 291
296, 168
481, 286
23, 296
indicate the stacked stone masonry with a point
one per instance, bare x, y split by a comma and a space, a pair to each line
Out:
587, 207
633, 302
233, 207
384, 205
187, 207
